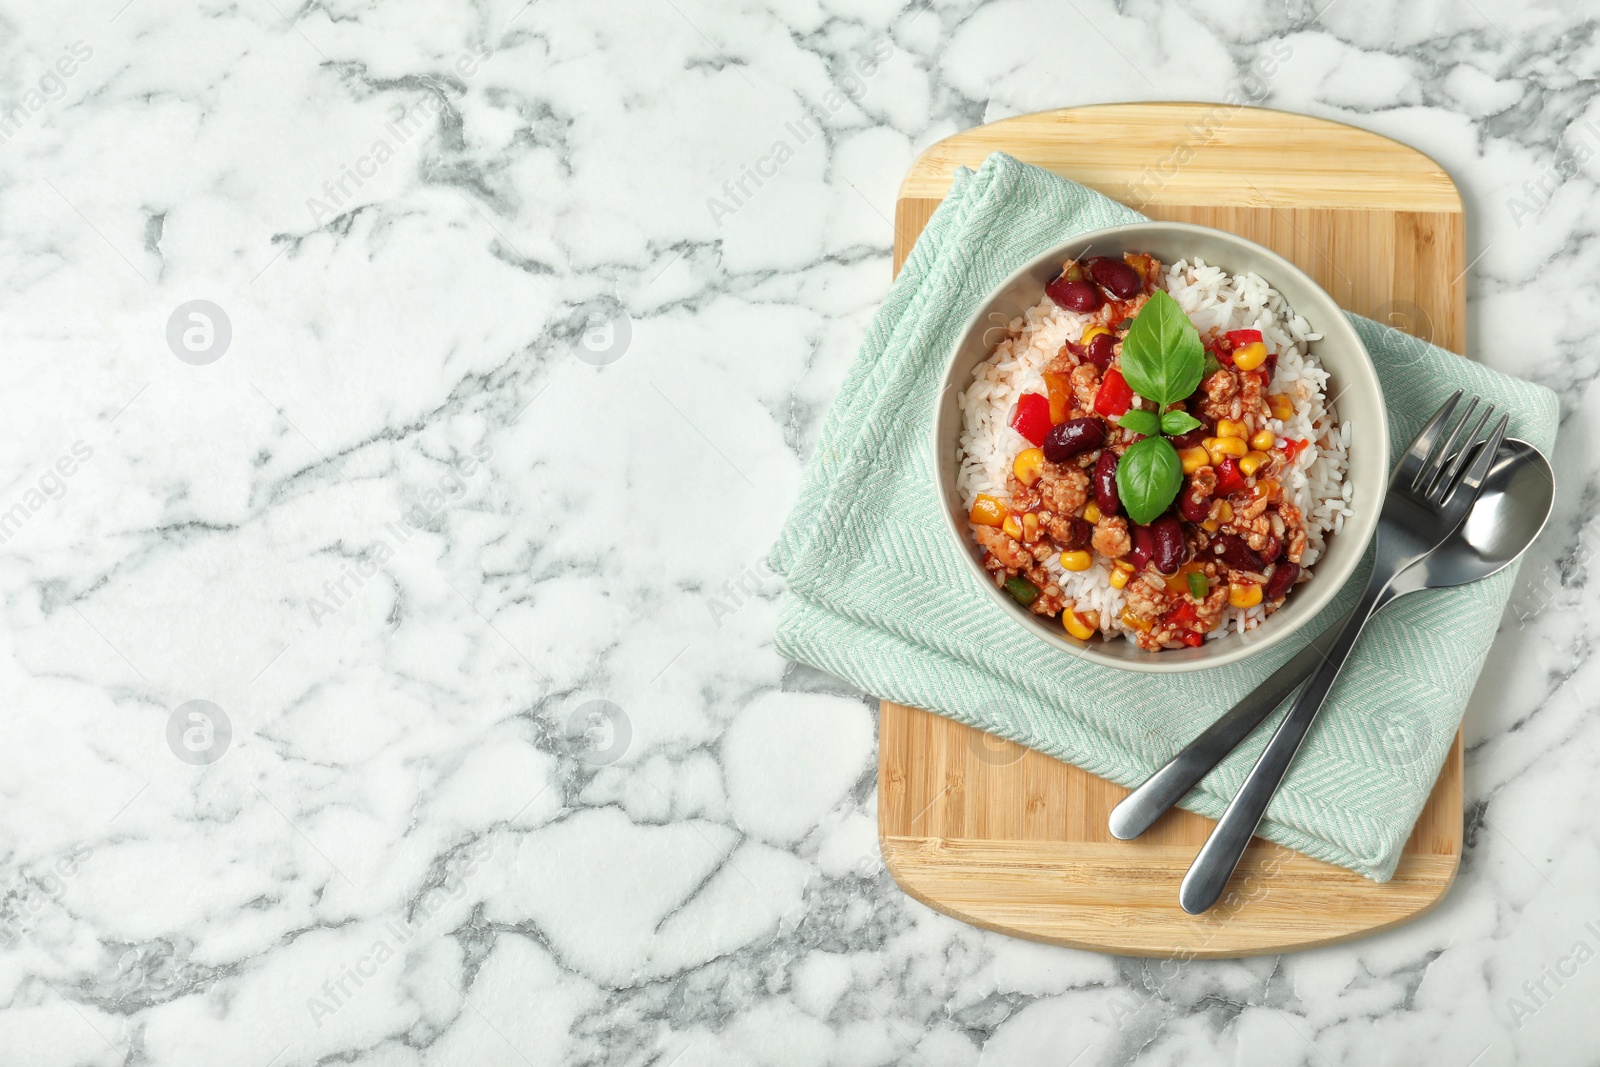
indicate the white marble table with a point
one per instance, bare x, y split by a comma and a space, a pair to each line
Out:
450, 504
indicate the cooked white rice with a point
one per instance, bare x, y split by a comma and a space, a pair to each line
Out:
1213, 299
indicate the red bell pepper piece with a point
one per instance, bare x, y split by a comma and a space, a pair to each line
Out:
1239, 338
1182, 615
1115, 396
1032, 419
1229, 478
1193, 639
1292, 446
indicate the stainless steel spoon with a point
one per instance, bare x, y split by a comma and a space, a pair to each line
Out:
1508, 515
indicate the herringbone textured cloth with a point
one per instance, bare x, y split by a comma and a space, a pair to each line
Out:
878, 594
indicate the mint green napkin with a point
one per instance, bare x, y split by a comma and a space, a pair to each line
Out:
879, 595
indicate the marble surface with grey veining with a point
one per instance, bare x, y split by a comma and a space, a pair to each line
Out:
399, 399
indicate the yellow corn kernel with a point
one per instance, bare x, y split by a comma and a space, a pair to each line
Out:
1231, 428
1012, 527
1251, 462
1028, 465
1250, 356
1220, 448
1119, 577
1281, 406
1222, 511
1076, 561
1211, 526
1091, 333
1030, 527
1123, 565
1193, 458
1266, 489
1081, 624
1263, 441
1133, 622
1091, 514
1244, 594
987, 511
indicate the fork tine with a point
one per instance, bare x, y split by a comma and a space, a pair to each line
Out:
1472, 481
1441, 452
1447, 477
1411, 461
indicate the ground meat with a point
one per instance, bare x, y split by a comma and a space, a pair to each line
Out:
1062, 362
1012, 556
1023, 497
1050, 600
1111, 536
1203, 482
1244, 514
1147, 596
1294, 524
1085, 384
1210, 610
1150, 642
1257, 532
1253, 398
1069, 534
1063, 488
1220, 388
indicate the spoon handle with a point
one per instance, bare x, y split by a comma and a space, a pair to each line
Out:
1151, 800
1214, 865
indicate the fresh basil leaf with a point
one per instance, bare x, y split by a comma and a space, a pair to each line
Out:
1162, 356
1177, 422
1212, 365
1141, 421
1149, 476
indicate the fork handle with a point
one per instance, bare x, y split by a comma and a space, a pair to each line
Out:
1141, 808
1214, 865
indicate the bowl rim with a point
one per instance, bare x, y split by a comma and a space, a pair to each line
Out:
1234, 647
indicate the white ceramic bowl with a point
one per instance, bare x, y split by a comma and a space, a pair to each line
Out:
1352, 380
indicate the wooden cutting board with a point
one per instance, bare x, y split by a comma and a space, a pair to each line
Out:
1012, 840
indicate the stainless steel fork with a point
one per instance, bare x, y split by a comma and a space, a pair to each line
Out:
1430, 492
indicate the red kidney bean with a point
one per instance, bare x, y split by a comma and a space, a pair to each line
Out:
1144, 546
1078, 534
1105, 484
1068, 439
1194, 506
1232, 548
1169, 547
1115, 277
1273, 549
1102, 350
1074, 296
1280, 581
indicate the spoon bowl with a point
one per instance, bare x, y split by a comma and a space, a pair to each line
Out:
1509, 514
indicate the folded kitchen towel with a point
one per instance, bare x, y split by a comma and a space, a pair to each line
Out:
878, 594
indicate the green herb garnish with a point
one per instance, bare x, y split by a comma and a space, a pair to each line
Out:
1162, 356
1162, 360
1178, 422
1148, 477
1142, 422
